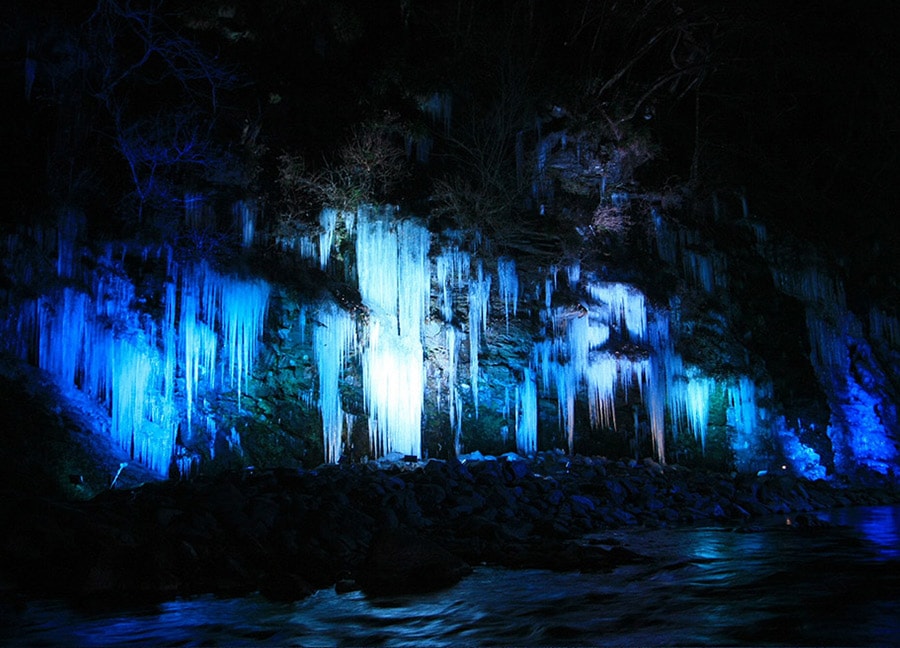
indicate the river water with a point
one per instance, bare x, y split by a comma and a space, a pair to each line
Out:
773, 584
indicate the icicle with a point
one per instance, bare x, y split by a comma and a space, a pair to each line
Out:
198, 340
452, 270
526, 427
170, 347
333, 340
601, 379
439, 106
566, 386
328, 223
884, 327
479, 300
573, 273
62, 331
68, 230
699, 268
414, 277
827, 346
194, 211
742, 406
666, 239
508, 285
394, 283
245, 220
698, 392
655, 402
394, 381
812, 285
626, 304
454, 400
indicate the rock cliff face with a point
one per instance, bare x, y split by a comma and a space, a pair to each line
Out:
604, 321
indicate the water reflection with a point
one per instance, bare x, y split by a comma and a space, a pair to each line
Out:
877, 524
773, 585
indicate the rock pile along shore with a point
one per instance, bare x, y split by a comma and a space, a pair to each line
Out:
380, 526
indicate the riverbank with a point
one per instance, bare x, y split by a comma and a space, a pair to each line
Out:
382, 527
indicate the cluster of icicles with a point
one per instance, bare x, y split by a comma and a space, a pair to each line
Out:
578, 355
152, 372
146, 370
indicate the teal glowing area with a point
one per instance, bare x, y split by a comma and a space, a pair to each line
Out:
410, 364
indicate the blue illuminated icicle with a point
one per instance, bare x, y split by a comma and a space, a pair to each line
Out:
479, 301
508, 285
69, 228
573, 273
242, 315
62, 332
333, 340
742, 407
697, 405
245, 221
527, 423
198, 343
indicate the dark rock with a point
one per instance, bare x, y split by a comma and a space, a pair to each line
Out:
401, 562
286, 587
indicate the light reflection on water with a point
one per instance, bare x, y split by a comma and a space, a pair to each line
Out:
776, 586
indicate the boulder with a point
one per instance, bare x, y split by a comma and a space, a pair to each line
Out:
401, 562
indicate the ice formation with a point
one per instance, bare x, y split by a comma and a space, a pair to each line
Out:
98, 340
394, 274
333, 340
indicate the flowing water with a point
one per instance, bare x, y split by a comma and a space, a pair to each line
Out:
774, 584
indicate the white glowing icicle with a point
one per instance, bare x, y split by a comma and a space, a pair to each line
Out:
601, 377
394, 378
627, 307
333, 340
414, 278
394, 282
